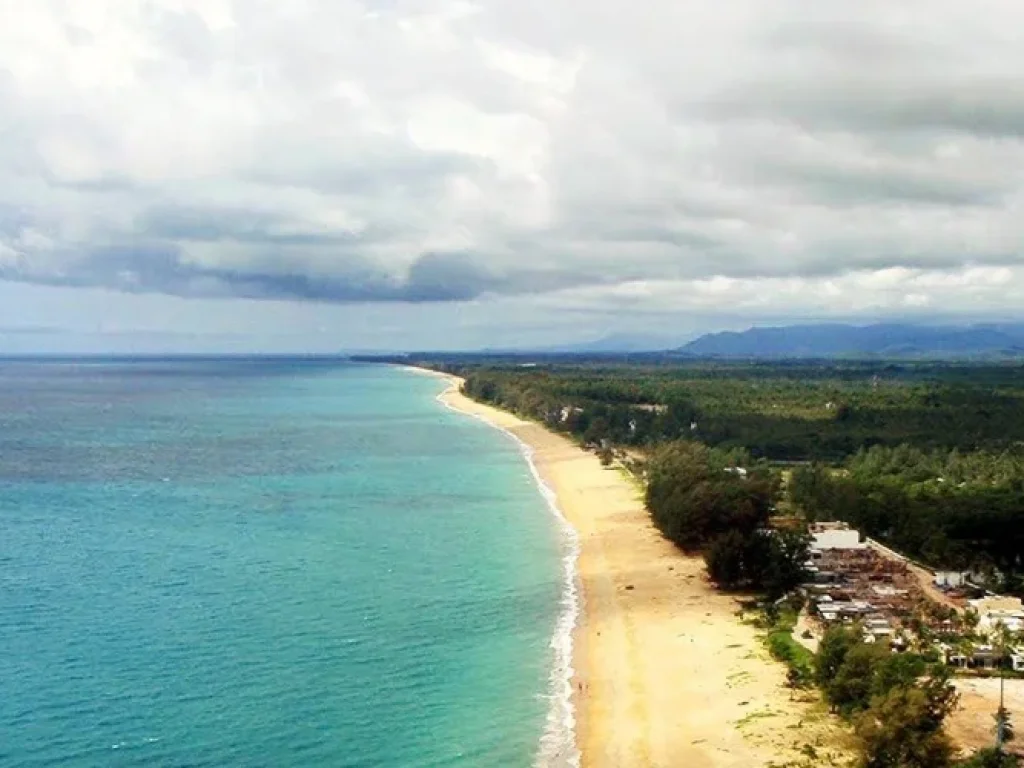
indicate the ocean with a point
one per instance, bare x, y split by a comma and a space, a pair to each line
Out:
271, 562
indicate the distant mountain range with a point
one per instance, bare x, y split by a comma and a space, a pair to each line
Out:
613, 344
628, 343
891, 340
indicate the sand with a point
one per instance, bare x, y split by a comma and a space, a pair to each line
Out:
667, 674
972, 725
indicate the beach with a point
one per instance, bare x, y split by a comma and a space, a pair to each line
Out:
666, 672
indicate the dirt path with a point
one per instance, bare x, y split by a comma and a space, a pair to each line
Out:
924, 577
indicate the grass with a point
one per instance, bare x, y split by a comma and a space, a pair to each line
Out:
755, 716
784, 647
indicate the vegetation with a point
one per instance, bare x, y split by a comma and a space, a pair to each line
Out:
897, 702
796, 411
703, 503
943, 507
784, 648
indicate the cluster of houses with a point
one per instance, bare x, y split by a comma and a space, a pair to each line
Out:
851, 581
854, 580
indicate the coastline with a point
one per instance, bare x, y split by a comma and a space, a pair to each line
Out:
663, 670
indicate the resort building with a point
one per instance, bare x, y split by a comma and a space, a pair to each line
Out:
834, 535
999, 610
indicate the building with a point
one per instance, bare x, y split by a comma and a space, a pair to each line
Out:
979, 657
834, 536
568, 412
951, 579
842, 610
878, 629
997, 611
1017, 660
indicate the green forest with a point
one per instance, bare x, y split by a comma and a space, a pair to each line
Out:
928, 457
946, 508
783, 412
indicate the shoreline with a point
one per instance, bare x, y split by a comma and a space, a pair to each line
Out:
558, 744
661, 669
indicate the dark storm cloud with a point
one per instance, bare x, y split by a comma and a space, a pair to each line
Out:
184, 223
432, 277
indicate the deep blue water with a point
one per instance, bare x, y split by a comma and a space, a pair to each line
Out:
265, 563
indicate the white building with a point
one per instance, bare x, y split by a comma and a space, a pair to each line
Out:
878, 629
835, 536
979, 657
842, 610
951, 579
997, 611
568, 411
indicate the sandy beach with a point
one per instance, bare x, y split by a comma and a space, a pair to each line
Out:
971, 726
667, 674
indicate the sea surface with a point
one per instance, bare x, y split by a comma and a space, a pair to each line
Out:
269, 562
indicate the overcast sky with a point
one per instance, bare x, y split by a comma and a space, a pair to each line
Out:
317, 174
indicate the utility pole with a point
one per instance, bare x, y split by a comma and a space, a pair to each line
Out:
1001, 714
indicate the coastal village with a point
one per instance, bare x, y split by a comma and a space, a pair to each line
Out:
856, 579
944, 614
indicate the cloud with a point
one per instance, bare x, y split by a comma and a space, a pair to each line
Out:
348, 151
978, 292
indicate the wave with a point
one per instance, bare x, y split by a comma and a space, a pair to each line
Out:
557, 748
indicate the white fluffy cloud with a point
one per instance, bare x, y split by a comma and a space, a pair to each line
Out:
772, 158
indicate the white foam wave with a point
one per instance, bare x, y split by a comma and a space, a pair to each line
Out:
557, 747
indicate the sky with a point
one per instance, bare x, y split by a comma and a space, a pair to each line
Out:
316, 175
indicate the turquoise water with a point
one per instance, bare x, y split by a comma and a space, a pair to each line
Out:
266, 563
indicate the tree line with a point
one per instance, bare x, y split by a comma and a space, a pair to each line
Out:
700, 500
789, 412
946, 508
927, 458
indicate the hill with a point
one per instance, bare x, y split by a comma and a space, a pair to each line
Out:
892, 340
